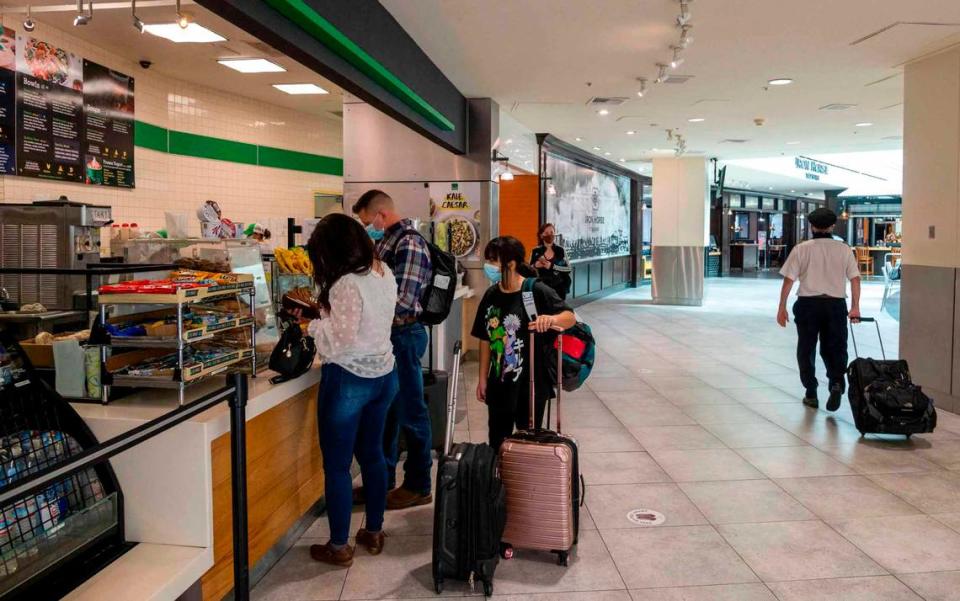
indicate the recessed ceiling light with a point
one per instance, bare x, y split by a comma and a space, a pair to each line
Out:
596, 148
603, 112
792, 143
780, 81
300, 88
631, 132
606, 154
696, 120
622, 160
864, 124
793, 191
579, 139
251, 65
192, 33
770, 188
509, 141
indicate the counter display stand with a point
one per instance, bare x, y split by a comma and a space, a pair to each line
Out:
53, 538
185, 371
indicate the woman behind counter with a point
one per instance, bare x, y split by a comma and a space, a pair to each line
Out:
358, 294
550, 261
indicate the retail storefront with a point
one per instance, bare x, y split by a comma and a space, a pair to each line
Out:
131, 134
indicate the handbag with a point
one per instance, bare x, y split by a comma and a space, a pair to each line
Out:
293, 356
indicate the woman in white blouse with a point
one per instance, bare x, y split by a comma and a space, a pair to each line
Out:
358, 294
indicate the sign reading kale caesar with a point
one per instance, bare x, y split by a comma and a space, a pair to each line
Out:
108, 126
49, 111
589, 209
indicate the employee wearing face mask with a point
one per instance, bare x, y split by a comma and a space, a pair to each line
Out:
503, 325
403, 249
550, 261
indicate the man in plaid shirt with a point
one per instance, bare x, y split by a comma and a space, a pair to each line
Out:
400, 246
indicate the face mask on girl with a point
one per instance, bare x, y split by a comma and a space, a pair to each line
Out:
492, 272
548, 238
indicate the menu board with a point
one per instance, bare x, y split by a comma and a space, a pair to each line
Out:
8, 100
108, 126
590, 210
49, 111
455, 210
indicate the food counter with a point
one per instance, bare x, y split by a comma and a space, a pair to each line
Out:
177, 486
744, 257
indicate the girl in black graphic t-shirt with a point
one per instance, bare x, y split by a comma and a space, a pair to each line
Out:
503, 326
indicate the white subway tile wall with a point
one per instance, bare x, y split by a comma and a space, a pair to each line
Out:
167, 182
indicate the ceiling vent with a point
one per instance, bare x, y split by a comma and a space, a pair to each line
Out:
674, 78
602, 102
734, 141
837, 106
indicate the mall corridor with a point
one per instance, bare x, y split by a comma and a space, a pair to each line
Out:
694, 413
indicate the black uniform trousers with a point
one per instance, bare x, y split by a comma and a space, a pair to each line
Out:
823, 318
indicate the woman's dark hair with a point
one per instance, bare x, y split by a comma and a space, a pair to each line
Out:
505, 249
338, 245
542, 229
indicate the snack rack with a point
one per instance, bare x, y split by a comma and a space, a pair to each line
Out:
185, 372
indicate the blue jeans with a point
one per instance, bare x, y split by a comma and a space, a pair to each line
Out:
409, 412
352, 412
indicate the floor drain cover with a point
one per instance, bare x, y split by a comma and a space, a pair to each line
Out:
646, 517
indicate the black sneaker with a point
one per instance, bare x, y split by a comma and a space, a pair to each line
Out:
811, 401
836, 394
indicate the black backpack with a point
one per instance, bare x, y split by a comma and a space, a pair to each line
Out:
436, 297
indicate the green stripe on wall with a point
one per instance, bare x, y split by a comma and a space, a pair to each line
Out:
206, 147
299, 161
331, 37
147, 135
154, 137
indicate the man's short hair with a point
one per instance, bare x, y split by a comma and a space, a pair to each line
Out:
376, 198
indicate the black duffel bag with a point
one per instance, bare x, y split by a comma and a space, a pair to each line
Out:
883, 398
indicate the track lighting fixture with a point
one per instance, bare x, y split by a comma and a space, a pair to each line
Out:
684, 17
661, 73
643, 86
182, 20
81, 18
29, 24
137, 23
677, 59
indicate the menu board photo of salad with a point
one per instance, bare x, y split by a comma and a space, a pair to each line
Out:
49, 111
108, 126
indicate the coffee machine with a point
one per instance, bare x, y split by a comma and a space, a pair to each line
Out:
49, 234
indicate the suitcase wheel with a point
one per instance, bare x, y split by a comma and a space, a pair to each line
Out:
488, 589
438, 585
563, 558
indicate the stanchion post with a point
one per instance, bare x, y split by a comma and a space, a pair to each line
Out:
238, 477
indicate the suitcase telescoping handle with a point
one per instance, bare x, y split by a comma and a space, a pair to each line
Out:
533, 378
452, 391
853, 336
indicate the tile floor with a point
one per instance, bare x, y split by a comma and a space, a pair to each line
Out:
694, 412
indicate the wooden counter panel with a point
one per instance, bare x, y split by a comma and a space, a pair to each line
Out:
284, 479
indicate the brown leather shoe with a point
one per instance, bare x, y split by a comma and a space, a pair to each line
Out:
402, 498
338, 557
373, 541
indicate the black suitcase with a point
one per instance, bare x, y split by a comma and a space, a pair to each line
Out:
883, 399
436, 385
469, 506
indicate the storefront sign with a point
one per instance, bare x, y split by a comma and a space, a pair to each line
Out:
455, 210
812, 169
589, 209
108, 105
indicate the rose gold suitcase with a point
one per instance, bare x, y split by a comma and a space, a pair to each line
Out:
541, 474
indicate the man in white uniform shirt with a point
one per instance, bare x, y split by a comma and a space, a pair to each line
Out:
823, 266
